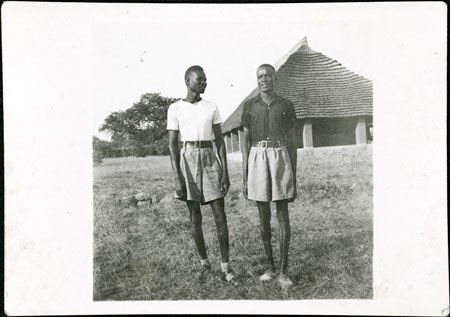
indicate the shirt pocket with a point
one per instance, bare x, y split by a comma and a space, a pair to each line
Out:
279, 119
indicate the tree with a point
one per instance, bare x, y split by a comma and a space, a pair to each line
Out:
143, 125
101, 149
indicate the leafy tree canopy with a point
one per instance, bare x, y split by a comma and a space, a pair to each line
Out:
143, 124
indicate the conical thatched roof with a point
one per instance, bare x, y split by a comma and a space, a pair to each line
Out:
318, 86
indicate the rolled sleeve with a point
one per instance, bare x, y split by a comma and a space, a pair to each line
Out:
172, 119
216, 117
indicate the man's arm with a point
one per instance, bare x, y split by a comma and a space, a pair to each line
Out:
221, 150
246, 145
180, 186
292, 150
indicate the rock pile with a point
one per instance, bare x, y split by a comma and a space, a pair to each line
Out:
144, 199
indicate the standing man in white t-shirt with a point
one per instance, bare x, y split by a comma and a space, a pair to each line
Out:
200, 176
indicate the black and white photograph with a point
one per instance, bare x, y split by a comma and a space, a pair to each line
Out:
218, 155
304, 135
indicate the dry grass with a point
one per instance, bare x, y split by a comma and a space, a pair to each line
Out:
146, 253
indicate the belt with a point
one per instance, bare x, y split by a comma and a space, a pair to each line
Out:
269, 143
197, 144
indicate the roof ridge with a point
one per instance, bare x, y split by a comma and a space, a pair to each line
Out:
303, 42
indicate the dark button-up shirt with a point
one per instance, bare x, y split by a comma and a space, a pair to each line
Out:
268, 122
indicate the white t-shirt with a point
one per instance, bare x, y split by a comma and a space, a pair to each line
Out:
193, 120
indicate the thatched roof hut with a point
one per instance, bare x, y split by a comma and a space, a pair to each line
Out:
329, 99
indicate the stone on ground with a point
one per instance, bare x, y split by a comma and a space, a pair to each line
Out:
144, 203
143, 196
129, 201
167, 200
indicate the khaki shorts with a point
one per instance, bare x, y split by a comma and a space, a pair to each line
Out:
270, 176
202, 174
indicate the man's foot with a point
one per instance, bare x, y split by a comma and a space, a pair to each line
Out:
205, 270
268, 275
228, 276
284, 280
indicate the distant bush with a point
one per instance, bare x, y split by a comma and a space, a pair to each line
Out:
97, 157
141, 151
160, 147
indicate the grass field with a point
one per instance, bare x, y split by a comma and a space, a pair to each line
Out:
146, 252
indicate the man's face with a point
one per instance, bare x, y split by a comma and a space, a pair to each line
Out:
266, 79
196, 82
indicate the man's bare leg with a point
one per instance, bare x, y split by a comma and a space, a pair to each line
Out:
196, 228
218, 209
266, 235
285, 236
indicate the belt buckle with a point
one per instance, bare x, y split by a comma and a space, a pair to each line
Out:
265, 144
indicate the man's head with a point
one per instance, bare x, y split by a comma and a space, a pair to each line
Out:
195, 79
266, 76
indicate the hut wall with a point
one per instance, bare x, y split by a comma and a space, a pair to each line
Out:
241, 136
325, 132
308, 140
299, 134
360, 131
334, 131
228, 145
235, 140
369, 129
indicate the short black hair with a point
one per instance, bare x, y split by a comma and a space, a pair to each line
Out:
194, 68
266, 66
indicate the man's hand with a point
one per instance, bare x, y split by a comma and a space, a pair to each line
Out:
225, 183
292, 150
246, 144
245, 188
180, 188
290, 200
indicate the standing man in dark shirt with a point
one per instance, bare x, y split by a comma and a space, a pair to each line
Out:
270, 164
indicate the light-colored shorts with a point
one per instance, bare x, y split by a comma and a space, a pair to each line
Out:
270, 176
202, 174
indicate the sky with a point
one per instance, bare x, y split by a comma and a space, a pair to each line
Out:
151, 52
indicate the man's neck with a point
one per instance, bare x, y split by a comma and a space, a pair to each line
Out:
268, 96
192, 97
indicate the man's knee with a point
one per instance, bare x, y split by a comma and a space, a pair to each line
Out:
266, 235
264, 221
218, 209
283, 218
196, 222
196, 218
221, 220
265, 229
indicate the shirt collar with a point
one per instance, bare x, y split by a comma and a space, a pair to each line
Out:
259, 99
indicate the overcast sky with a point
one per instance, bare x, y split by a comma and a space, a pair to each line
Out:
151, 52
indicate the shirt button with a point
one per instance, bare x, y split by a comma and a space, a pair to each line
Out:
267, 138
